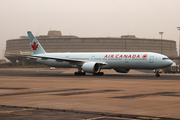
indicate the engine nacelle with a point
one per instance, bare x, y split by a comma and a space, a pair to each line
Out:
91, 67
122, 70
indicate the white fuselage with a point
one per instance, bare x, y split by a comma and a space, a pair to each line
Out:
113, 60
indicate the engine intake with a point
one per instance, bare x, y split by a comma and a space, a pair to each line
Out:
122, 70
91, 67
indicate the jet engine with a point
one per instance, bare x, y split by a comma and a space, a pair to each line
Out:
91, 67
122, 70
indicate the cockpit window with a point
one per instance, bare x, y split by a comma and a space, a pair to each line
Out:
165, 58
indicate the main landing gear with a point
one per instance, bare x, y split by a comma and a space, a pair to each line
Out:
84, 73
79, 72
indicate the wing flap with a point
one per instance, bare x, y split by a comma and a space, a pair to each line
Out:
71, 61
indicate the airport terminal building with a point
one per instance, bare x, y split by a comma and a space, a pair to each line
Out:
54, 41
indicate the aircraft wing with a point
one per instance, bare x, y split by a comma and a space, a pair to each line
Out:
28, 57
71, 61
17, 55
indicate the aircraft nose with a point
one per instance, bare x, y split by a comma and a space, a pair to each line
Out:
170, 62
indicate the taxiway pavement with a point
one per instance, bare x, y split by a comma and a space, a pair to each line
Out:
135, 94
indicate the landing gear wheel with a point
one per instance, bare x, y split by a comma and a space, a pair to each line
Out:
157, 71
79, 73
99, 73
84, 73
157, 75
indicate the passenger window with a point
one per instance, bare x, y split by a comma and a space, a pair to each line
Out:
165, 58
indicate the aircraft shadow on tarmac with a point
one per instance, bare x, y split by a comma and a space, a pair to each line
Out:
148, 76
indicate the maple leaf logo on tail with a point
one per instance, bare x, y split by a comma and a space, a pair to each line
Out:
34, 46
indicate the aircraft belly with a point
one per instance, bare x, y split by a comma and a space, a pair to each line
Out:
133, 64
119, 64
138, 64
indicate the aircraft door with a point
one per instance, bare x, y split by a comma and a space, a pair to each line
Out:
92, 58
151, 59
126, 60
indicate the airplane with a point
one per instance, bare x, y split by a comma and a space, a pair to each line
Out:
93, 62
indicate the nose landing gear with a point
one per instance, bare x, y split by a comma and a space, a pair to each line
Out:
157, 72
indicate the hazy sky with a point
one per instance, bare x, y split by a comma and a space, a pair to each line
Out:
89, 18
